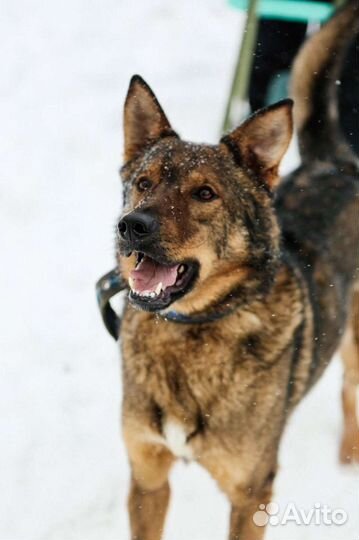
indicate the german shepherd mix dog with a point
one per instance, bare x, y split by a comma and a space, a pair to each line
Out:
241, 288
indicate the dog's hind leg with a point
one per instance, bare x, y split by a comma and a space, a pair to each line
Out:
349, 451
150, 491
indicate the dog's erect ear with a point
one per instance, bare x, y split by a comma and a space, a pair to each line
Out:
144, 120
262, 140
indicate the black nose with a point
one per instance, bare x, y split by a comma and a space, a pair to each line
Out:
137, 226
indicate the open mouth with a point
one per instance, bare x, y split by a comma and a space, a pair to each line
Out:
155, 285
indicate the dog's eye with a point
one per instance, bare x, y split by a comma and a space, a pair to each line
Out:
143, 184
204, 194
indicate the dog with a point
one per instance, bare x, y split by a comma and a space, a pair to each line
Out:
241, 287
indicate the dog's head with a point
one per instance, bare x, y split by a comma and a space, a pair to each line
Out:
198, 219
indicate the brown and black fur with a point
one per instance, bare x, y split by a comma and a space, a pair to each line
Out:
281, 264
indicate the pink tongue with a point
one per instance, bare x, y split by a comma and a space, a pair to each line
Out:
149, 274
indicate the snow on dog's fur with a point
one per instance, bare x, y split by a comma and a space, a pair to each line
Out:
269, 268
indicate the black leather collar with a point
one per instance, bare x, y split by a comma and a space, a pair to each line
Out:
112, 283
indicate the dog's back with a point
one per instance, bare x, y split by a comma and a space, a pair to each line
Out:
318, 205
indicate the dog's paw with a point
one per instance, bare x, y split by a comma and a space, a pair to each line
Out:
349, 450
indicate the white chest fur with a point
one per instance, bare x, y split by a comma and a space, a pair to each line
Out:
176, 439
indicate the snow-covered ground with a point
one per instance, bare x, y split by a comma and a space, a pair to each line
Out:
65, 69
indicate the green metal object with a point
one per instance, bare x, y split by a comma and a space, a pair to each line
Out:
278, 87
240, 83
289, 10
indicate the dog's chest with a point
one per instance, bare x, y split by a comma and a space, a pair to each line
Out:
176, 439
181, 370
186, 381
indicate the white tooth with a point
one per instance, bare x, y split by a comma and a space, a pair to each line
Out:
158, 288
181, 269
146, 293
131, 283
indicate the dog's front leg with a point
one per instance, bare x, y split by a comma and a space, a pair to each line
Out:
245, 507
150, 491
242, 526
147, 510
246, 522
247, 484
